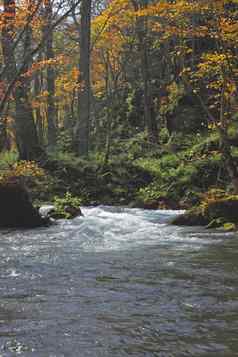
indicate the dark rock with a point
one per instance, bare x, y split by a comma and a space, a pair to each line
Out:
213, 213
68, 212
56, 215
16, 209
135, 204
225, 208
194, 217
73, 211
153, 204
160, 203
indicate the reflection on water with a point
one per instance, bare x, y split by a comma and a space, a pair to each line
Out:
118, 282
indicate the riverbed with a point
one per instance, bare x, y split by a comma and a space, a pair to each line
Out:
118, 282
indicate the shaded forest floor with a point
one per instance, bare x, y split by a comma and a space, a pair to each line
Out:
186, 172
173, 175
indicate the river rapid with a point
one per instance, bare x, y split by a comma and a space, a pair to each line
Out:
118, 282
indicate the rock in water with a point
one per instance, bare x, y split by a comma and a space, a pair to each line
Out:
193, 217
46, 210
16, 209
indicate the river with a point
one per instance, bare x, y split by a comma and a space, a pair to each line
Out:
118, 282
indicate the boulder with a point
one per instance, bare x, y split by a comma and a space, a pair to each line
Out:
225, 207
160, 203
193, 217
221, 212
66, 212
16, 209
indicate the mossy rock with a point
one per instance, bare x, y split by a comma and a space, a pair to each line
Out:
230, 227
67, 212
212, 213
226, 208
193, 217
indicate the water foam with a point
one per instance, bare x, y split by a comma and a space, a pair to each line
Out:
111, 228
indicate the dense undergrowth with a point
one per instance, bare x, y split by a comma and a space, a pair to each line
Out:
184, 172
171, 175
181, 176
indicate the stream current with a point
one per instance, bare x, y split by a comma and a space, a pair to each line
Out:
118, 282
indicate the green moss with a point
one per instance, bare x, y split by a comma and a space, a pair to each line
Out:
229, 227
8, 159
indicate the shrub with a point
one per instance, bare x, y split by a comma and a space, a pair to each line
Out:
8, 159
67, 206
21, 170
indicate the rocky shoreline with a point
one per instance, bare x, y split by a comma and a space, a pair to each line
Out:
218, 212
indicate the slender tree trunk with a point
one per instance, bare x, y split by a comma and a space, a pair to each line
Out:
229, 161
108, 113
142, 35
27, 140
3, 134
225, 145
49, 54
148, 100
84, 68
38, 116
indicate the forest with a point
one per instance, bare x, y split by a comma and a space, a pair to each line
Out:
122, 102
118, 178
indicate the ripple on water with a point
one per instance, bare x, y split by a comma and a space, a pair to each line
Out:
120, 229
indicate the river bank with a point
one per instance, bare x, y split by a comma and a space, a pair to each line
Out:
165, 178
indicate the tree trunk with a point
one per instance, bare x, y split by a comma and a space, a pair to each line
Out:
225, 146
109, 112
49, 54
84, 68
142, 35
148, 101
27, 140
38, 116
3, 134
229, 161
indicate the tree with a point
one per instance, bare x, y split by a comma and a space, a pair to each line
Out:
215, 74
143, 45
84, 79
27, 139
49, 54
21, 43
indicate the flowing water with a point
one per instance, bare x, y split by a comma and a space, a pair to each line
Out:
118, 282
